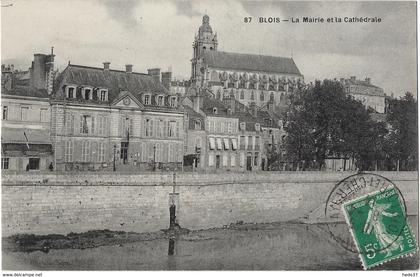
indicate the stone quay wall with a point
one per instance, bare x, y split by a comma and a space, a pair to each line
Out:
64, 203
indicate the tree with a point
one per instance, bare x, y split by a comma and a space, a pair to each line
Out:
323, 122
402, 139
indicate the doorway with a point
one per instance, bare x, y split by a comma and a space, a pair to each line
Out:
249, 162
124, 152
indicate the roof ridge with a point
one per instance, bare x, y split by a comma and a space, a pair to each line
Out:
249, 54
100, 68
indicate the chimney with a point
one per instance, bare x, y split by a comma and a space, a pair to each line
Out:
353, 78
106, 65
129, 68
38, 71
367, 80
155, 73
166, 80
253, 108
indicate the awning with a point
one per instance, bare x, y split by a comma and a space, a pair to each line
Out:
35, 136
226, 143
234, 144
212, 144
21, 149
219, 143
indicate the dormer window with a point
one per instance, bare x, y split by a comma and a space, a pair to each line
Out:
87, 93
197, 125
172, 102
160, 100
71, 92
103, 95
242, 126
214, 110
147, 99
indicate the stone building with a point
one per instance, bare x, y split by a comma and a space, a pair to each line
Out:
363, 90
104, 119
250, 78
25, 131
236, 137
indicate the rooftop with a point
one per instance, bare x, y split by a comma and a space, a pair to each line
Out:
250, 62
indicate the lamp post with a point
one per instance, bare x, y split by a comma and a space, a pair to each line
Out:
115, 148
154, 157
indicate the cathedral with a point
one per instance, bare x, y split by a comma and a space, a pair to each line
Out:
249, 78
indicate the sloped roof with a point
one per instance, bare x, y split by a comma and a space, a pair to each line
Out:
25, 91
250, 62
114, 80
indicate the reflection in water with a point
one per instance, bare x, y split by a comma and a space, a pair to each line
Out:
272, 247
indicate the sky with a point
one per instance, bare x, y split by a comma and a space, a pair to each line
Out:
152, 34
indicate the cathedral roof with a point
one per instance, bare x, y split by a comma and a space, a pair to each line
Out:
250, 62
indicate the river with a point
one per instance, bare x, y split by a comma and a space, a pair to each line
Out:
285, 246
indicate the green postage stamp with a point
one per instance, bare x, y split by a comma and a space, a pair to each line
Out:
379, 227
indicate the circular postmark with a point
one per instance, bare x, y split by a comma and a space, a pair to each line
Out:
366, 206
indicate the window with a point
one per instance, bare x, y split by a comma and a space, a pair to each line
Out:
4, 163
257, 143
226, 143
172, 102
159, 131
86, 151
256, 159
71, 92
234, 144
68, 154
88, 94
160, 100
242, 94
252, 95
211, 160
148, 127
101, 152
272, 96
257, 127
147, 99
214, 110
33, 163
197, 144
229, 127
261, 96
249, 142
219, 143
44, 115
211, 143
171, 128
87, 124
5, 112
102, 125
242, 125
24, 113
103, 95
70, 124
197, 125
232, 160
242, 142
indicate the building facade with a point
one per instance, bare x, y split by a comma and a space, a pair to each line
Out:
250, 78
25, 136
105, 119
364, 91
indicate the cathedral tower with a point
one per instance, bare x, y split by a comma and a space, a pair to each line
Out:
204, 40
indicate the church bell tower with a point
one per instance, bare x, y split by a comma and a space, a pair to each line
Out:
205, 40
